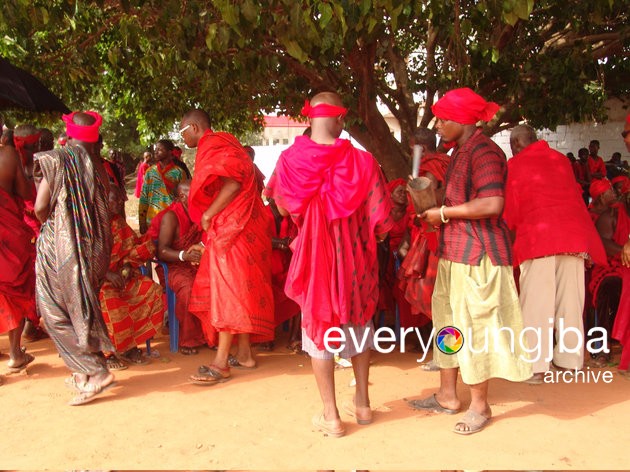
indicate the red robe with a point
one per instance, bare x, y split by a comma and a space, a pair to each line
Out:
134, 313
419, 269
285, 308
337, 197
17, 263
181, 275
543, 205
621, 328
232, 291
595, 165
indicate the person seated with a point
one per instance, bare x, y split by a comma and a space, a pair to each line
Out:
283, 232
177, 160
132, 304
613, 225
176, 235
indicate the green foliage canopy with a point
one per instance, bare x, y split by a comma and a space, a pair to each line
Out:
145, 62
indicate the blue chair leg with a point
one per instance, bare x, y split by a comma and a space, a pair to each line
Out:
173, 322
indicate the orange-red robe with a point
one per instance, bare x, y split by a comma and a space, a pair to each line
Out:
232, 291
134, 313
285, 308
419, 269
17, 263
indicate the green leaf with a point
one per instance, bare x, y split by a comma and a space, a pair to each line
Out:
249, 11
523, 8
326, 13
510, 18
495, 55
294, 50
211, 34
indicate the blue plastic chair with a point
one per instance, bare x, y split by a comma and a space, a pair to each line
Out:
173, 322
381, 318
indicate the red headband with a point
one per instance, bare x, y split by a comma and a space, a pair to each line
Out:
464, 106
322, 110
394, 184
598, 187
88, 134
23, 141
177, 153
619, 178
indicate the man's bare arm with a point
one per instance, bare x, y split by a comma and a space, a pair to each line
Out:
42, 202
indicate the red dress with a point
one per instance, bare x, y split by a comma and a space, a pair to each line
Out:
17, 263
232, 291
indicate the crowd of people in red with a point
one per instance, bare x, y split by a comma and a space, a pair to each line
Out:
526, 244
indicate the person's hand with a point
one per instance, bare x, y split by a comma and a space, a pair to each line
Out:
193, 254
205, 221
432, 216
625, 254
196, 251
126, 272
280, 243
115, 279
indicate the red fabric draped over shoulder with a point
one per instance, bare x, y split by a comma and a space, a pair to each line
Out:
232, 289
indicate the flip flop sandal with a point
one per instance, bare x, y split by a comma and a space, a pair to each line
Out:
329, 428
72, 382
362, 418
19, 368
89, 392
474, 421
211, 375
233, 362
115, 364
430, 404
188, 351
136, 358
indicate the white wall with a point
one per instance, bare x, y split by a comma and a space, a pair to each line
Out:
571, 138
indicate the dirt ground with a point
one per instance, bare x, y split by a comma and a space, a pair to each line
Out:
155, 419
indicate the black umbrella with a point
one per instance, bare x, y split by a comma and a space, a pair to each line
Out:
19, 89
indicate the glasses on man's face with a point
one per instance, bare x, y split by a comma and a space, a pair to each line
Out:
181, 131
624, 134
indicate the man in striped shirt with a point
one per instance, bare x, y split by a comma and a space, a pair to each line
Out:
475, 291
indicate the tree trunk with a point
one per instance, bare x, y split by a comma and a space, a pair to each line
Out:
374, 134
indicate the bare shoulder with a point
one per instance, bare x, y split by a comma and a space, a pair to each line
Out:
9, 161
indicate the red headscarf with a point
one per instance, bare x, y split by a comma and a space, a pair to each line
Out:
598, 187
619, 178
464, 106
322, 110
391, 186
88, 134
22, 141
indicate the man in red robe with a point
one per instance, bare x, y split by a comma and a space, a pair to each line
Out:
26, 139
178, 238
621, 328
17, 256
419, 268
596, 165
336, 195
232, 290
554, 235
